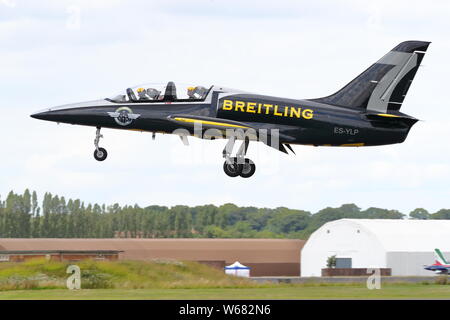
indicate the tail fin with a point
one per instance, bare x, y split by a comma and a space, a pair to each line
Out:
439, 257
384, 85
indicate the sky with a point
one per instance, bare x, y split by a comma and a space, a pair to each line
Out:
58, 52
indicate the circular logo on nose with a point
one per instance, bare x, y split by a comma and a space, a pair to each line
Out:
124, 116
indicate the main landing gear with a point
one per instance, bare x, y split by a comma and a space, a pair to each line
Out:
233, 166
238, 165
100, 154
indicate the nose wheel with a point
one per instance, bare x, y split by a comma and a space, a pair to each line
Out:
239, 165
100, 154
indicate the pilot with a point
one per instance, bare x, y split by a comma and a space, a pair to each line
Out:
201, 91
191, 92
153, 93
196, 92
142, 94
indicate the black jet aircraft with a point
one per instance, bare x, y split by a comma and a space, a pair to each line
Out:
366, 112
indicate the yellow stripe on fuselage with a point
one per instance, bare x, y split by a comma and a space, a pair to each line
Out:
388, 115
222, 124
352, 145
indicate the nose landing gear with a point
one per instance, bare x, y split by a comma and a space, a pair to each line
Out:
239, 165
100, 154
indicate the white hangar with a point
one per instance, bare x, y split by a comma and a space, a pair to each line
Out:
404, 246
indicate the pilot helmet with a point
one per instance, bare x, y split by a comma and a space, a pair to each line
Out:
140, 90
191, 91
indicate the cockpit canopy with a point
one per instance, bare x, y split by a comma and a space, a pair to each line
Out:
169, 92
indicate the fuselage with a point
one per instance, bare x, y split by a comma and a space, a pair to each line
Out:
441, 269
365, 112
298, 121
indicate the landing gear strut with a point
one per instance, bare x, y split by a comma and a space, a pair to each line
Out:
100, 154
239, 165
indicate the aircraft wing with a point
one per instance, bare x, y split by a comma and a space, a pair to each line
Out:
207, 122
269, 138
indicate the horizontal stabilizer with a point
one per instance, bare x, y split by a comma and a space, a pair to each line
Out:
388, 116
391, 118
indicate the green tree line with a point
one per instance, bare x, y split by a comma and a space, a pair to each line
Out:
22, 216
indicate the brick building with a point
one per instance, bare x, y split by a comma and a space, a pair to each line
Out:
265, 257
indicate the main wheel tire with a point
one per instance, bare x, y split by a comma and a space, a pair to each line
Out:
100, 154
232, 170
248, 168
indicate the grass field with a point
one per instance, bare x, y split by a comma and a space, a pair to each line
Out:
163, 279
389, 291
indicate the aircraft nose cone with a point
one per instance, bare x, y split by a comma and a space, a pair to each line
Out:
45, 115
40, 115
49, 115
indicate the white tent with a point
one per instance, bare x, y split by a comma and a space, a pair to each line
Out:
237, 269
405, 246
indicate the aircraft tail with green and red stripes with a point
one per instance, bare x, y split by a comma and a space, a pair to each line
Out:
440, 260
440, 265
